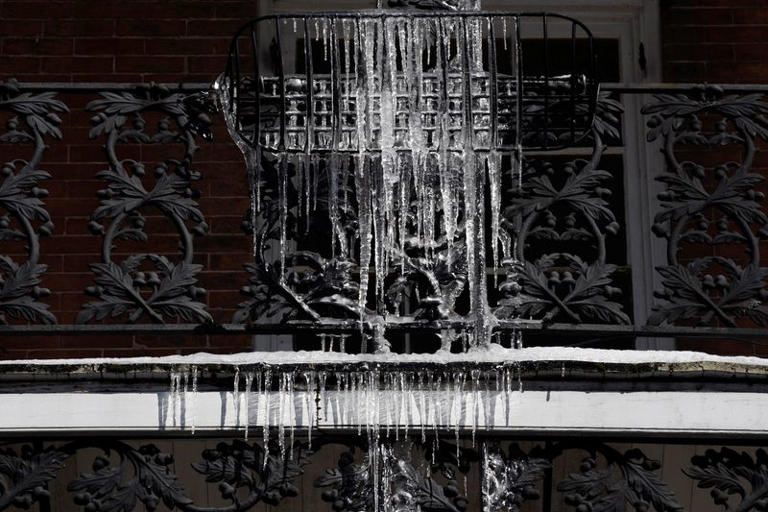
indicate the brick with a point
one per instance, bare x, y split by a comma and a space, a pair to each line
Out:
27, 10
110, 46
76, 65
17, 28
150, 27
751, 52
64, 354
187, 46
220, 28
79, 28
750, 16
37, 46
21, 64
699, 17
151, 65
699, 52
734, 34
240, 10
206, 64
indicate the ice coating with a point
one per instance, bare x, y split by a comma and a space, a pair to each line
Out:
408, 146
398, 134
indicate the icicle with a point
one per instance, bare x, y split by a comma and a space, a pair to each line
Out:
407, 395
485, 479
438, 384
236, 394
458, 395
322, 398
193, 399
174, 391
487, 400
422, 408
475, 402
347, 39
266, 385
504, 31
248, 384
494, 176
429, 47
398, 394
507, 395
325, 40
306, 164
359, 404
283, 206
518, 115
281, 392
291, 414
254, 179
309, 384
388, 389
185, 396
337, 235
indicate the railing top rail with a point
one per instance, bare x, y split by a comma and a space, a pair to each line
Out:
616, 87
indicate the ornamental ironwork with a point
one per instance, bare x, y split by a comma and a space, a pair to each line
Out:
386, 138
126, 475
32, 121
707, 208
146, 285
564, 269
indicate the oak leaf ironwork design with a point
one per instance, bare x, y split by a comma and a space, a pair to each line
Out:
34, 120
147, 284
710, 207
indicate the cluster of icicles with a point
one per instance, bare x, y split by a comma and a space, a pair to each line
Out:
443, 173
387, 406
377, 403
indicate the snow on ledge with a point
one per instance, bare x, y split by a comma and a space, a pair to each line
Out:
493, 354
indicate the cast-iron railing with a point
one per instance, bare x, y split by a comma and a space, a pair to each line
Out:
568, 220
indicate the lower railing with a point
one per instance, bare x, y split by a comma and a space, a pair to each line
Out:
495, 474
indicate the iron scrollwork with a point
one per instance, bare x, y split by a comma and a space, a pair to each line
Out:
33, 119
405, 485
312, 282
706, 209
729, 473
123, 477
144, 475
146, 285
626, 479
565, 207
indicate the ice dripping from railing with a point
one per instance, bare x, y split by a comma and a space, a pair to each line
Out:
382, 405
418, 157
413, 141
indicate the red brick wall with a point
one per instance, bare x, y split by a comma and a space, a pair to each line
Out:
715, 41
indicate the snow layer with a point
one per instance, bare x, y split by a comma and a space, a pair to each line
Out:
490, 354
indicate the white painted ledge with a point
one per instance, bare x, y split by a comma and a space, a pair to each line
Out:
644, 413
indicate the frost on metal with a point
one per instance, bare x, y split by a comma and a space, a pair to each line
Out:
383, 165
